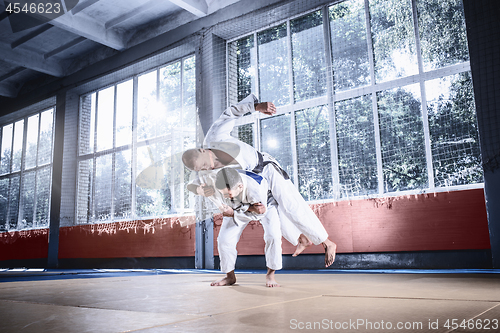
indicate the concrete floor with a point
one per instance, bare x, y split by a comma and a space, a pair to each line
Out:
183, 301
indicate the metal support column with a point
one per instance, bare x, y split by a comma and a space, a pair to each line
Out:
55, 200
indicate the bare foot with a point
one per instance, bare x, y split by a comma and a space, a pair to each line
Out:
330, 248
304, 242
270, 281
230, 279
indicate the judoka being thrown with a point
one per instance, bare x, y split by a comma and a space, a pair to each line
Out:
246, 199
215, 155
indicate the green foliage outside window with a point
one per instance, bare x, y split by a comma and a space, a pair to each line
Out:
383, 142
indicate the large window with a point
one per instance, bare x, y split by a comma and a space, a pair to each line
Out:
132, 135
374, 97
26, 171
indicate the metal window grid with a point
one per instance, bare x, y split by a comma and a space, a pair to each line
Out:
133, 146
23, 171
333, 97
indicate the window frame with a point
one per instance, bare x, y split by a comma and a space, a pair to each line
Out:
135, 144
34, 169
332, 97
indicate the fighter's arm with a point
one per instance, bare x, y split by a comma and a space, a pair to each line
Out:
257, 208
222, 127
240, 214
266, 108
257, 197
200, 187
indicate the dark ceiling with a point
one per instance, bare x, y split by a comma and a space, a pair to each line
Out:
37, 49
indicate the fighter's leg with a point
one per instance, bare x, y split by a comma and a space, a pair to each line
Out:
289, 231
296, 209
229, 236
272, 237
270, 279
294, 206
292, 234
228, 280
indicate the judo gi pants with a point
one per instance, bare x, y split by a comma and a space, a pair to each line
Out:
293, 208
230, 233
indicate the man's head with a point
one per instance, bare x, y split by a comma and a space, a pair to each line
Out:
228, 182
198, 159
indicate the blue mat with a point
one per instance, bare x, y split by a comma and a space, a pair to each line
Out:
11, 275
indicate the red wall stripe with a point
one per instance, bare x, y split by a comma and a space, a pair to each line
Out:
25, 244
426, 222
166, 237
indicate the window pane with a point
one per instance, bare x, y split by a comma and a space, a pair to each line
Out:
313, 153
176, 182
402, 139
85, 182
453, 129
190, 124
32, 142
443, 38
189, 83
244, 133
147, 106
103, 183
246, 65
393, 39
4, 203
87, 123
124, 105
273, 66
123, 184
170, 87
275, 140
351, 67
105, 110
155, 198
46, 128
6, 148
169, 115
189, 197
308, 46
189, 115
43, 183
356, 147
17, 148
28, 205
172, 97
14, 202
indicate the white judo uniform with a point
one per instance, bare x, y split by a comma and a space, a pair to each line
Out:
295, 214
255, 190
207, 177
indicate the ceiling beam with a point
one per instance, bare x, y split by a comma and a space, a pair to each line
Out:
64, 47
12, 73
82, 5
196, 7
29, 59
8, 90
90, 29
40, 30
3, 15
117, 20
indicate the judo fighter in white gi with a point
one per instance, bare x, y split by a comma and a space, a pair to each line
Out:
246, 199
254, 194
291, 204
